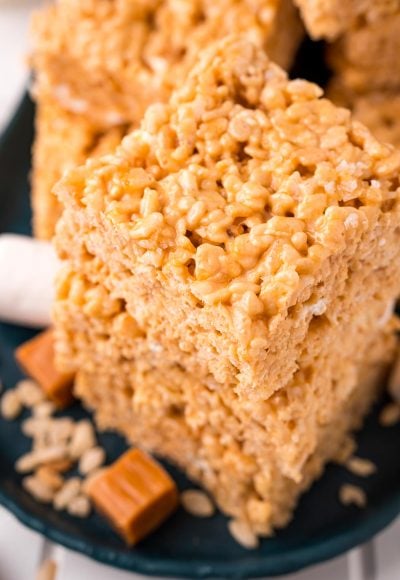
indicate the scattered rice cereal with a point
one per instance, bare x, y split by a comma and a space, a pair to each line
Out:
390, 415
34, 459
242, 534
197, 503
44, 409
352, 495
91, 460
360, 466
10, 405
38, 489
67, 493
82, 440
79, 507
50, 477
29, 392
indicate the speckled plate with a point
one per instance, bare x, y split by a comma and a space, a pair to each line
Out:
185, 546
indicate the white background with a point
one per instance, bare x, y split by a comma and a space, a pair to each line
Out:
21, 550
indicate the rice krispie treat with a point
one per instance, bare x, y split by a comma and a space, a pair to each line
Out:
100, 63
366, 57
230, 207
63, 140
324, 352
330, 18
111, 59
246, 238
240, 452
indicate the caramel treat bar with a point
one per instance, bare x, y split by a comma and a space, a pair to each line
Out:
136, 495
247, 237
100, 63
225, 249
255, 460
366, 59
36, 358
330, 18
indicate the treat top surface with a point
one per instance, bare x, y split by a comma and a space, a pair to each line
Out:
243, 184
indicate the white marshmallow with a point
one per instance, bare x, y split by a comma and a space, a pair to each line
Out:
27, 272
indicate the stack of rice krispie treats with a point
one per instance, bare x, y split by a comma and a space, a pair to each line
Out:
363, 54
228, 282
99, 63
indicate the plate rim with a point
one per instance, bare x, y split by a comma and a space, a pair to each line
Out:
297, 558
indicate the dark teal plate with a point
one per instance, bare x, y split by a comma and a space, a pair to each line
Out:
185, 546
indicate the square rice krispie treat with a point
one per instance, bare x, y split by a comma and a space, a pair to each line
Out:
231, 207
245, 241
330, 18
63, 140
240, 452
104, 61
366, 57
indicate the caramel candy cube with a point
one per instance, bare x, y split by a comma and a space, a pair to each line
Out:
36, 358
135, 494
